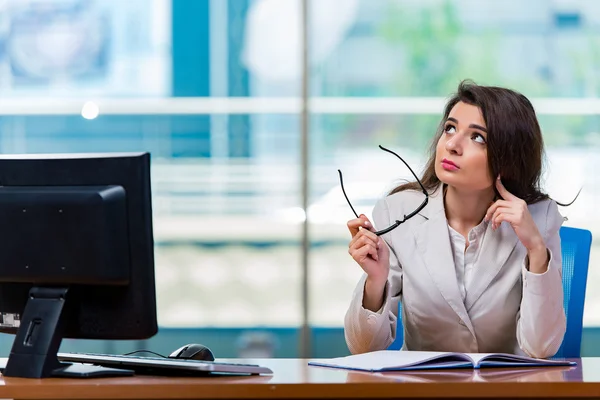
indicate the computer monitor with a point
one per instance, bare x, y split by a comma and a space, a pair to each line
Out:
76, 256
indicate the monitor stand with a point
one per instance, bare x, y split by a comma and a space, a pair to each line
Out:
34, 351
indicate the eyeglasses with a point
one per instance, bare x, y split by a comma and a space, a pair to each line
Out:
406, 217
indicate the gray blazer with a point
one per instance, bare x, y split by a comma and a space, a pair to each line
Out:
507, 308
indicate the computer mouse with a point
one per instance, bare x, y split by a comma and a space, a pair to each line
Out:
193, 352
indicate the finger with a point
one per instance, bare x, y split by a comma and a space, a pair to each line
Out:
356, 223
506, 195
361, 254
370, 234
492, 209
360, 238
500, 210
504, 217
363, 241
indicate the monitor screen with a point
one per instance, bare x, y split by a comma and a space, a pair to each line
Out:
76, 254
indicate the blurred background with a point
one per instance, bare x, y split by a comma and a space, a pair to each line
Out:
214, 90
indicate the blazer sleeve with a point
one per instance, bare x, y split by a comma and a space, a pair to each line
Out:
365, 330
541, 322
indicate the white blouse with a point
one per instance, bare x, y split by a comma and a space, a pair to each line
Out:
465, 260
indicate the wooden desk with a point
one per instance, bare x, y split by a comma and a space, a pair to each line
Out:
294, 379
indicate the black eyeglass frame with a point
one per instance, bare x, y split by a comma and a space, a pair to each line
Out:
406, 217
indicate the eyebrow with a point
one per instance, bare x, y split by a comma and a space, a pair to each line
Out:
474, 126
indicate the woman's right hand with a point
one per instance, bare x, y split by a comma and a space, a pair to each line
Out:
369, 250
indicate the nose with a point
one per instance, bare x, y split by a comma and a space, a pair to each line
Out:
454, 144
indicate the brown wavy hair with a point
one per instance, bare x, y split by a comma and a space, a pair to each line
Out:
515, 144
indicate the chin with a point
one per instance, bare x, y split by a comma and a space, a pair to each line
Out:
447, 177
450, 179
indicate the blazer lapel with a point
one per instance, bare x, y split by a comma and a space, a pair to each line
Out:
497, 246
433, 242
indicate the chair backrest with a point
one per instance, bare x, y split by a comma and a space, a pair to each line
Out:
575, 246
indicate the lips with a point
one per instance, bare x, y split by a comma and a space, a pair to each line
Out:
449, 163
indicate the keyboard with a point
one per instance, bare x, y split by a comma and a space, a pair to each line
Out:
164, 366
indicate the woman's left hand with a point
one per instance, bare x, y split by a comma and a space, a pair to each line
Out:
514, 210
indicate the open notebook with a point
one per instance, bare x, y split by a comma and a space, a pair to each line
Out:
394, 360
514, 374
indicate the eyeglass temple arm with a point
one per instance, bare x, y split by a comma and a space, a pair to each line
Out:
345, 195
386, 230
410, 169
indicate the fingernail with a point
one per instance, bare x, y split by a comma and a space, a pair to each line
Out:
360, 227
367, 223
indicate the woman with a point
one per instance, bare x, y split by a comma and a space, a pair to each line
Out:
479, 268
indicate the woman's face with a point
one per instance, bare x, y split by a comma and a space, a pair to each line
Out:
461, 158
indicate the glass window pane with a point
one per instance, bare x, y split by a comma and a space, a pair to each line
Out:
424, 48
85, 48
226, 228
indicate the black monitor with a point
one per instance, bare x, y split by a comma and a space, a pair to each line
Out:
76, 256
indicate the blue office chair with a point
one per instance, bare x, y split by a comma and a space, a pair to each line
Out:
575, 245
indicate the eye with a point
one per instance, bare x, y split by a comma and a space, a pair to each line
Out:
449, 129
478, 137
